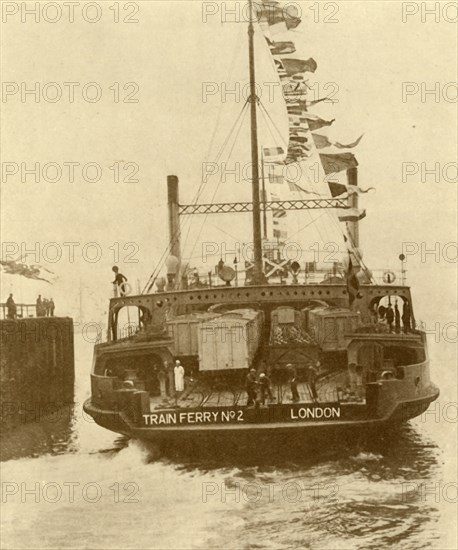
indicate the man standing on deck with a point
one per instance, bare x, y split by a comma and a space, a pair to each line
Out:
312, 375
293, 382
264, 386
119, 281
389, 317
397, 319
250, 387
406, 317
178, 372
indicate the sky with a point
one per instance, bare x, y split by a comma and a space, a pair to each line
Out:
364, 50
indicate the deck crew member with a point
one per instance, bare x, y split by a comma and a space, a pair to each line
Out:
178, 372
293, 382
311, 382
359, 372
11, 305
52, 306
406, 317
250, 387
397, 319
264, 387
119, 281
390, 317
162, 377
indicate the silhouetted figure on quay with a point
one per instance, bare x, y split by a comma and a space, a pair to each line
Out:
39, 306
11, 306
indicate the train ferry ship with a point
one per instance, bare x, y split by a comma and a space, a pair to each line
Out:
267, 345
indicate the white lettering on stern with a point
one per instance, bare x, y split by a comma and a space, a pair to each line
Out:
193, 417
305, 413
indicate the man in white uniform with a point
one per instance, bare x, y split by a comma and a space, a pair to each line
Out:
179, 376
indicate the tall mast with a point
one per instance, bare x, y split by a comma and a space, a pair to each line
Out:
264, 198
258, 275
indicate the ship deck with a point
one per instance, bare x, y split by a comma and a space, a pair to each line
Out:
194, 397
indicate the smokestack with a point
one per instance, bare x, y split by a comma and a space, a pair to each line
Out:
174, 216
353, 227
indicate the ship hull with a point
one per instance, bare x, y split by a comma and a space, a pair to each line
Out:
256, 433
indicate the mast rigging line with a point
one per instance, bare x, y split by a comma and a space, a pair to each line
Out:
244, 111
152, 279
159, 266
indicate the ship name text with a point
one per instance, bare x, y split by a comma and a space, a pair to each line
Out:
193, 417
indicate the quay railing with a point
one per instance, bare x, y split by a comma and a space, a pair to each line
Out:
22, 311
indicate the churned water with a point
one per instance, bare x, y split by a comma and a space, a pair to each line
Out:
67, 483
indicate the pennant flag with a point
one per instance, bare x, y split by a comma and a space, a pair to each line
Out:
29, 272
275, 179
295, 90
315, 122
281, 48
336, 163
273, 151
278, 234
322, 142
302, 140
348, 145
302, 190
279, 213
352, 283
275, 18
274, 154
338, 189
315, 101
295, 66
297, 108
350, 214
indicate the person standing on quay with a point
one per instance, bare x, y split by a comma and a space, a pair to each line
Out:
11, 306
39, 306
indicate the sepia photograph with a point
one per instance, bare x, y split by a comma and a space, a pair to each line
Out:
228, 301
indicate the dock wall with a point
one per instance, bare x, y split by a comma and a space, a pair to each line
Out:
37, 368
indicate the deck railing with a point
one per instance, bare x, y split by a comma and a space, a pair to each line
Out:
209, 279
22, 311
